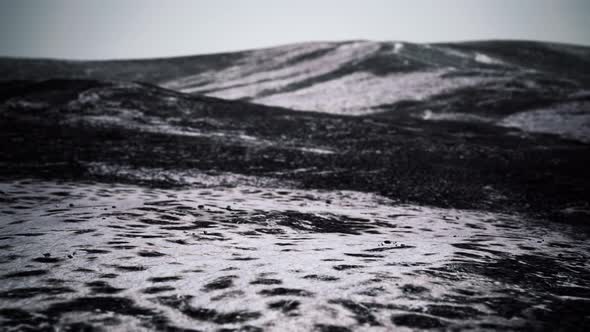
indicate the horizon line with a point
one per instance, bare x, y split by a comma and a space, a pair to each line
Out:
268, 47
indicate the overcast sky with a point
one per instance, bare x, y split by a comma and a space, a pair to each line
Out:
105, 29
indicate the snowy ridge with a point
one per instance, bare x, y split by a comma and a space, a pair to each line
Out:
569, 120
490, 80
271, 70
343, 78
363, 77
360, 93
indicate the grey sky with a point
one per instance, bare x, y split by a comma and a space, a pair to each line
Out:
84, 29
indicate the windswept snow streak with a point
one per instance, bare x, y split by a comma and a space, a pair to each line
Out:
346, 78
359, 93
268, 70
479, 57
571, 120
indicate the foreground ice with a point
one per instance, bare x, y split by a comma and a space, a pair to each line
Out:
124, 257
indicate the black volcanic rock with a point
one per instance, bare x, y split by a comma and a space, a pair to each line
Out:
63, 128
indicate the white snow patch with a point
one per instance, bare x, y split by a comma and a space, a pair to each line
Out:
268, 70
316, 150
569, 120
486, 59
357, 93
580, 94
453, 116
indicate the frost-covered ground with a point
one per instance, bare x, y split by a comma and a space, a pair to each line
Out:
253, 258
399, 186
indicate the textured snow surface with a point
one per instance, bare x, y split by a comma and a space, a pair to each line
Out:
133, 258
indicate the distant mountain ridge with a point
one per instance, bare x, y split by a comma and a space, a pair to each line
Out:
529, 85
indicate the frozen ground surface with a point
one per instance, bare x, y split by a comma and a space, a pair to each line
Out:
230, 218
122, 257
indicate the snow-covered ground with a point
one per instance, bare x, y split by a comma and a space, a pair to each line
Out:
569, 120
277, 258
